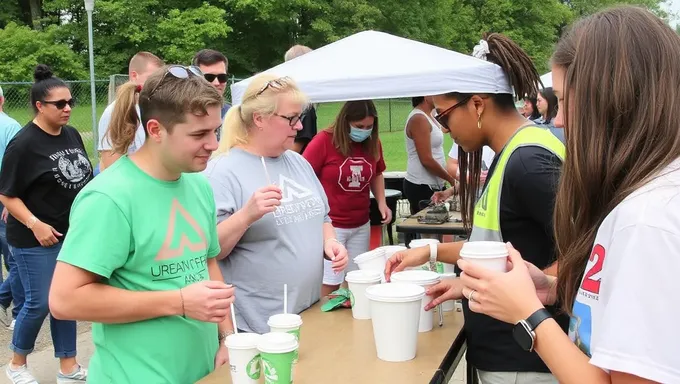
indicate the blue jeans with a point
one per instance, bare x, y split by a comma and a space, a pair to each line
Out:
36, 267
10, 289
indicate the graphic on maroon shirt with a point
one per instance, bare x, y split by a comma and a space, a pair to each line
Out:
355, 174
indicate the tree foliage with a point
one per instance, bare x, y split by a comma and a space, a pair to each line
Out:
254, 34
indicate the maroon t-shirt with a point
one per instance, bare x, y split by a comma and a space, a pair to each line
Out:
346, 180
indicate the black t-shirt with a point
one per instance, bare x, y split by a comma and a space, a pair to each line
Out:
526, 213
46, 172
308, 131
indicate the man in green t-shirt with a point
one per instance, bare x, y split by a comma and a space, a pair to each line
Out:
138, 260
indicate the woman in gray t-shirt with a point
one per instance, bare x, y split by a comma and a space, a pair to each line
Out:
272, 212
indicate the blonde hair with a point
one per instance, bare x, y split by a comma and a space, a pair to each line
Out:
165, 98
256, 99
141, 60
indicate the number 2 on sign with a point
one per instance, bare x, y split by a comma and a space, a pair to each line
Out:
592, 279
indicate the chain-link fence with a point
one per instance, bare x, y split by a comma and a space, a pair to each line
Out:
392, 113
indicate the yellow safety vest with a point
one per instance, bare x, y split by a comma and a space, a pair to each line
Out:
487, 223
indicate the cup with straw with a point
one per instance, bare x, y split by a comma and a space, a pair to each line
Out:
244, 356
286, 322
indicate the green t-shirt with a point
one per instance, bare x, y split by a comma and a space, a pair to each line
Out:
144, 234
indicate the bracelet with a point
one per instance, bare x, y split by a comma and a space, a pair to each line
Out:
181, 296
223, 335
30, 223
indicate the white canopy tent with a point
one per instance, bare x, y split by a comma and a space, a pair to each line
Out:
547, 80
377, 65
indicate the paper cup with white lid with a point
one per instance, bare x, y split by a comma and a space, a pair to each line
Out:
372, 261
491, 255
243, 357
358, 282
286, 323
278, 351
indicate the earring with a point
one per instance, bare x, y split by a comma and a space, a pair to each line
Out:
479, 121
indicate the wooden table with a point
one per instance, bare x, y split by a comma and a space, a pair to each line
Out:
335, 348
452, 227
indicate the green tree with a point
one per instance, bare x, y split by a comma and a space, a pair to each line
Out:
22, 48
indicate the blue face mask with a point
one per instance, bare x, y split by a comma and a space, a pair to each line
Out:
359, 135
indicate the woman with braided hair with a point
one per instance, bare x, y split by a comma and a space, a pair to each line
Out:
516, 204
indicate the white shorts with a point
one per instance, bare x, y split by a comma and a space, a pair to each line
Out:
357, 241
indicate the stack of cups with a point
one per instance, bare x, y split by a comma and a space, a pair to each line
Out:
277, 355
244, 359
448, 305
357, 282
395, 314
491, 255
372, 261
286, 323
423, 279
391, 250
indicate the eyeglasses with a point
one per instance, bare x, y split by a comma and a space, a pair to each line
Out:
292, 120
442, 117
179, 72
61, 104
279, 83
221, 77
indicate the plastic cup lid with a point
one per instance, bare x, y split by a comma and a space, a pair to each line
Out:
277, 342
448, 275
419, 277
242, 340
285, 320
370, 255
363, 276
484, 249
395, 292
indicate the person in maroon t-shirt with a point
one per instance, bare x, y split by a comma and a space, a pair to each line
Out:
347, 158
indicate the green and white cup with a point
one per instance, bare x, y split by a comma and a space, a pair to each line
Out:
287, 323
278, 351
244, 358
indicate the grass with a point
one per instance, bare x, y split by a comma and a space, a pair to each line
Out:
392, 118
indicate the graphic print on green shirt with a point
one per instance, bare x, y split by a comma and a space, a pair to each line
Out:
144, 234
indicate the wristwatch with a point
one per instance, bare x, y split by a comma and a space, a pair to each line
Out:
433, 257
523, 332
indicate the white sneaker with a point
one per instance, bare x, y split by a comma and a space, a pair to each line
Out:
20, 375
79, 376
12, 324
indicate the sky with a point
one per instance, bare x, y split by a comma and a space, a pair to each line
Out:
673, 6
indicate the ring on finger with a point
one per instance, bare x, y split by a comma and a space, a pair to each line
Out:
470, 298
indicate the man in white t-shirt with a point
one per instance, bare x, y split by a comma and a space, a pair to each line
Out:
452, 162
141, 66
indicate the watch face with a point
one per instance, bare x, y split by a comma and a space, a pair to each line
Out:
523, 336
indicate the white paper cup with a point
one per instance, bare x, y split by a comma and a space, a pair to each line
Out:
357, 282
243, 361
424, 279
448, 305
491, 255
395, 313
391, 250
372, 261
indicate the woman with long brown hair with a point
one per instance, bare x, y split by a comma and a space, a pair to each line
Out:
347, 158
617, 224
516, 204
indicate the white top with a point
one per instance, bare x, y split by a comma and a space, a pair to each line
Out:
627, 306
103, 143
398, 67
416, 173
487, 155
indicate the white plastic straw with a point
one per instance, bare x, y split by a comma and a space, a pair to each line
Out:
285, 298
233, 318
266, 173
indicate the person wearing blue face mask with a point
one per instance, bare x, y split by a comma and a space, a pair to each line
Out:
347, 158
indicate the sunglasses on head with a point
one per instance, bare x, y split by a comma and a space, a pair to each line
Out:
179, 72
280, 83
442, 118
61, 104
221, 77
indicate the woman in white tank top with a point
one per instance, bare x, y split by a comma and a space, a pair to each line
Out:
425, 169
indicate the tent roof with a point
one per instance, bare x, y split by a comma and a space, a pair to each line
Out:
377, 65
547, 80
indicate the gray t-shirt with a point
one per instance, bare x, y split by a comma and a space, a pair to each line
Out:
284, 247
103, 143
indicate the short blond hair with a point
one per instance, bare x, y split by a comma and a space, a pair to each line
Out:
141, 60
296, 51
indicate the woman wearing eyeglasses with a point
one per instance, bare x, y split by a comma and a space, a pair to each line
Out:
274, 227
516, 204
348, 160
44, 168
